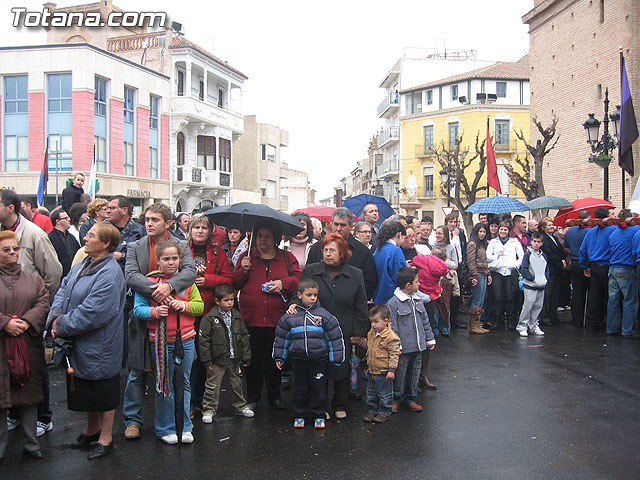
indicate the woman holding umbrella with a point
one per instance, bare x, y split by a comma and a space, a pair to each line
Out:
24, 302
266, 276
341, 293
88, 309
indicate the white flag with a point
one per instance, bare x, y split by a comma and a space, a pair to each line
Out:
91, 190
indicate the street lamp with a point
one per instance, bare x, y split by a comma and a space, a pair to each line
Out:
444, 178
602, 146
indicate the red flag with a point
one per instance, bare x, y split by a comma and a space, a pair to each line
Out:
492, 168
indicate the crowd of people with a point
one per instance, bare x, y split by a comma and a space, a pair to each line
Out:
114, 292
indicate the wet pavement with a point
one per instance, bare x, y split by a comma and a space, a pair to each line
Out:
566, 405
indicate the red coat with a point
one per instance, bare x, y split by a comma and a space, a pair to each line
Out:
42, 221
211, 280
219, 236
430, 271
265, 309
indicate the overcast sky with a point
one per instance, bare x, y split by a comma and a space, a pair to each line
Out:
314, 67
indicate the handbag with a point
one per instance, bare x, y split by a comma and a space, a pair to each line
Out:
18, 360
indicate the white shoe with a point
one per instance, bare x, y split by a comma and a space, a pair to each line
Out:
340, 414
536, 331
12, 423
246, 412
170, 439
523, 333
187, 437
207, 418
43, 428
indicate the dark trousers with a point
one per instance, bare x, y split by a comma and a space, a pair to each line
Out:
262, 367
550, 305
340, 394
503, 297
198, 373
44, 409
598, 295
309, 387
578, 294
564, 289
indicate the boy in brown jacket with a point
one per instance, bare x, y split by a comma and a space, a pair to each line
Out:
383, 352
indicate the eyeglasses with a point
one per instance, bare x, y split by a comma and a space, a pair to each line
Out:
329, 250
366, 232
10, 249
64, 218
111, 207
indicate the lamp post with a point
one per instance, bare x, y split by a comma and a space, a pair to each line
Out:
444, 178
601, 147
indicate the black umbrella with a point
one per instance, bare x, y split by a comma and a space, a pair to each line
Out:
245, 215
62, 348
178, 382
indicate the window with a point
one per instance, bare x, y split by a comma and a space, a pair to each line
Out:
224, 154
16, 153
100, 151
15, 94
413, 103
454, 129
207, 152
454, 92
429, 97
503, 177
268, 152
180, 83
129, 96
129, 161
201, 89
59, 90
180, 152
428, 137
268, 188
153, 163
428, 186
501, 89
220, 97
502, 132
153, 111
100, 97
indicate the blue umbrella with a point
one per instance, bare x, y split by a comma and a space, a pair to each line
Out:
498, 204
356, 205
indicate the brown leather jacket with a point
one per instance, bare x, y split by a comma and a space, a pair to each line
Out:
383, 351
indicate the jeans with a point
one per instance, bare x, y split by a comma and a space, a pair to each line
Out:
405, 384
379, 394
622, 280
134, 397
479, 292
164, 418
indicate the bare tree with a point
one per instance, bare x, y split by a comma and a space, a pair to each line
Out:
457, 162
530, 181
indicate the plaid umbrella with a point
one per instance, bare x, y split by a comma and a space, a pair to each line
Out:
548, 202
354, 362
178, 382
498, 204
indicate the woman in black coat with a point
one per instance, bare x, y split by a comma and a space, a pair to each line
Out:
342, 293
552, 248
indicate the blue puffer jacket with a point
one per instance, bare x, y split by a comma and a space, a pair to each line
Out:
314, 334
88, 309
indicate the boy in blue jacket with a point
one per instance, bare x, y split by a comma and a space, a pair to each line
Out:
535, 274
409, 320
313, 336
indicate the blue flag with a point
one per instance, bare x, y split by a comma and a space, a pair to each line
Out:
628, 126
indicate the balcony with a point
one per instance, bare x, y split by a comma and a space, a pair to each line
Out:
389, 106
388, 135
388, 167
136, 42
202, 177
194, 110
510, 145
423, 150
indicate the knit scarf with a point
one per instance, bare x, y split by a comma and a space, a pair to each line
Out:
162, 355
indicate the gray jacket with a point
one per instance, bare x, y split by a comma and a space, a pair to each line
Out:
409, 320
135, 271
89, 309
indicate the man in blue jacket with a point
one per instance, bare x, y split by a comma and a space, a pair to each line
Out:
594, 260
622, 280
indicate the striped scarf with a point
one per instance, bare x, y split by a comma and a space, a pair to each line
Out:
162, 356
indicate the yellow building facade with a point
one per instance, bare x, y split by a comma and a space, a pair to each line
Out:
459, 107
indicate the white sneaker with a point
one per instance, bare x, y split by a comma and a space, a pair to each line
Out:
43, 428
523, 333
207, 418
12, 423
536, 331
187, 437
170, 439
340, 414
246, 412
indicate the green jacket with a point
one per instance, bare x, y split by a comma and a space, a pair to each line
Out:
214, 339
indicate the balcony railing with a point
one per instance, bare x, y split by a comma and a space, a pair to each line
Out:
388, 134
423, 150
510, 145
390, 101
136, 42
225, 179
387, 167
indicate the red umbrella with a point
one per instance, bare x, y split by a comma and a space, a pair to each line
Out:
587, 203
320, 212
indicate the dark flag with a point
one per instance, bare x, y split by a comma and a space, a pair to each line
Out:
44, 176
628, 126
492, 168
